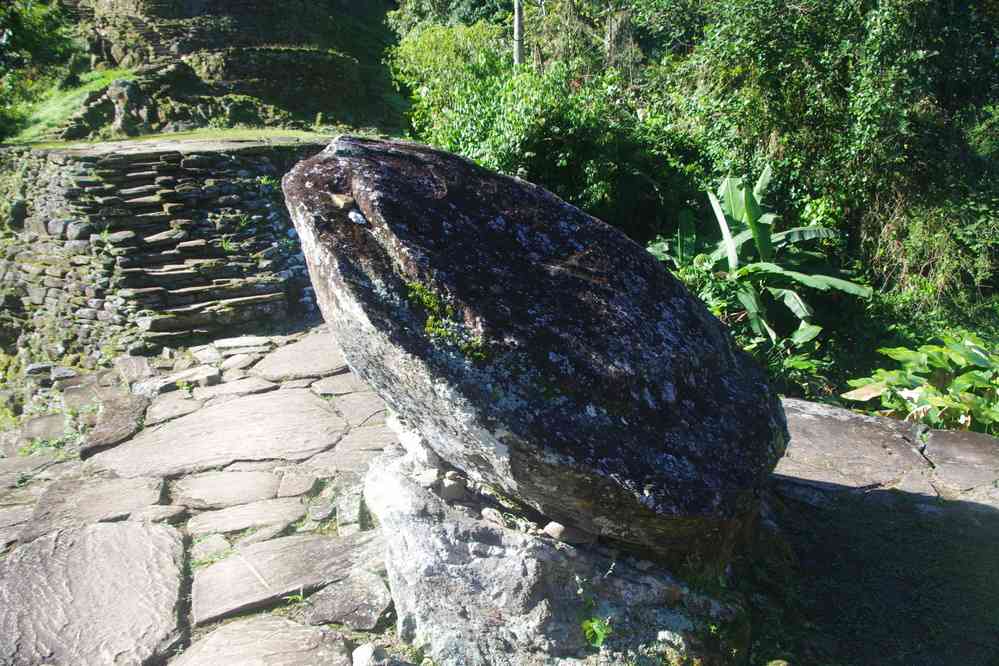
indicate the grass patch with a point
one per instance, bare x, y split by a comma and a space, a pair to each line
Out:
57, 106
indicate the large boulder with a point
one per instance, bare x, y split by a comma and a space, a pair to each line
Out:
537, 348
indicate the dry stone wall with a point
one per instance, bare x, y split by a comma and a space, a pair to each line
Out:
130, 247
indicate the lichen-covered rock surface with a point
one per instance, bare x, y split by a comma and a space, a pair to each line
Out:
535, 347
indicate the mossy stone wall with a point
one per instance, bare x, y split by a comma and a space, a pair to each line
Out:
131, 250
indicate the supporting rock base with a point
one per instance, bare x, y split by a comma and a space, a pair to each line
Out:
468, 591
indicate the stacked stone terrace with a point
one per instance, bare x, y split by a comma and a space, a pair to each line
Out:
133, 246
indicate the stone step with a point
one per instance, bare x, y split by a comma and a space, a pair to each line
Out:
164, 257
230, 289
191, 274
216, 314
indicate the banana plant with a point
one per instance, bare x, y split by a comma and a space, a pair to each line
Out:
683, 246
770, 276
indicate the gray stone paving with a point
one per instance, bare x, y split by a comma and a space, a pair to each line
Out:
260, 472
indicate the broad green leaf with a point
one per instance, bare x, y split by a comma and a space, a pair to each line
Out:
730, 249
793, 301
761, 232
731, 194
686, 237
866, 392
806, 333
972, 353
738, 240
971, 380
801, 234
820, 282
762, 183
916, 359
750, 300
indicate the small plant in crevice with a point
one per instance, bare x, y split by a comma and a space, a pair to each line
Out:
228, 245
185, 387
596, 628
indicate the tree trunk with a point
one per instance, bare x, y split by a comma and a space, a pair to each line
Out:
518, 32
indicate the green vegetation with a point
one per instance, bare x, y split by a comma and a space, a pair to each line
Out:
56, 105
442, 325
35, 50
596, 629
878, 119
950, 385
228, 245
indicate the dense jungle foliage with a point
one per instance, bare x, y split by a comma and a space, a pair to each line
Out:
878, 121
36, 52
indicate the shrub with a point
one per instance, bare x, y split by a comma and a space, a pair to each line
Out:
954, 384
577, 136
34, 43
879, 107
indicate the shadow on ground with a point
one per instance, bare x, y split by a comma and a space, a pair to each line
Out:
884, 577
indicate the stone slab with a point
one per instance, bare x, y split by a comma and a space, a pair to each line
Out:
243, 341
964, 461
18, 468
295, 483
287, 425
265, 572
218, 490
833, 449
342, 384
361, 408
77, 398
82, 501
203, 375
133, 368
354, 452
102, 594
282, 511
119, 419
360, 602
208, 548
170, 406
50, 426
267, 639
239, 362
160, 513
313, 356
235, 389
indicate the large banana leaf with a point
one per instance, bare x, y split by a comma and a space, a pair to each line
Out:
730, 194
793, 301
761, 230
820, 282
779, 239
750, 300
806, 333
722, 250
801, 234
762, 183
730, 249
